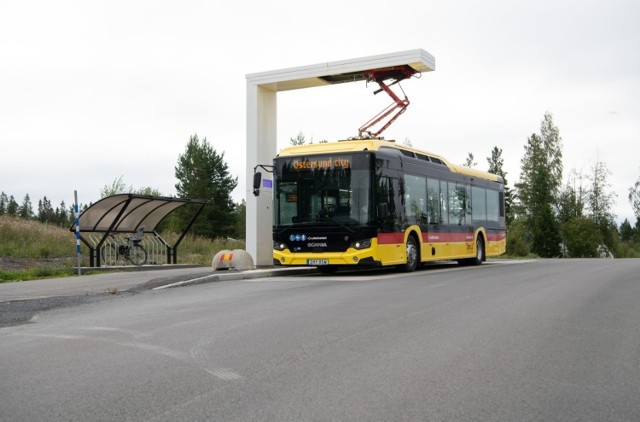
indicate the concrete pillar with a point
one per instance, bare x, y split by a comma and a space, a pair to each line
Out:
261, 148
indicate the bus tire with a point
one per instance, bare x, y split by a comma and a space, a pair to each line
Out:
477, 260
479, 256
413, 255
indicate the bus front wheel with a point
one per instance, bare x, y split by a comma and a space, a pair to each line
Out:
413, 255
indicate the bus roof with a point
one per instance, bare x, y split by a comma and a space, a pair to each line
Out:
347, 146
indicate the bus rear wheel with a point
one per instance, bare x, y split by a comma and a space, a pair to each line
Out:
413, 255
479, 258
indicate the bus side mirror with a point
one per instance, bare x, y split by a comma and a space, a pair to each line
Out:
257, 180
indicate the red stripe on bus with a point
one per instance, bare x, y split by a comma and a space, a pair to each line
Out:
496, 237
390, 238
437, 237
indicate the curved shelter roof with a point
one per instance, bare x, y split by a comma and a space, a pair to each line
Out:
125, 213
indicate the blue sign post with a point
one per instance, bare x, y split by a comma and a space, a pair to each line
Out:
77, 215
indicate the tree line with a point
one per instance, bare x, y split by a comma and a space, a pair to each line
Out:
201, 172
62, 215
554, 217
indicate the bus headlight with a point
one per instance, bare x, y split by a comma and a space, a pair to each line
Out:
361, 244
279, 246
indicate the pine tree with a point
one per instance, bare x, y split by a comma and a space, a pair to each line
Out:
634, 198
539, 187
469, 161
62, 218
26, 209
4, 201
202, 173
12, 207
626, 231
496, 166
46, 214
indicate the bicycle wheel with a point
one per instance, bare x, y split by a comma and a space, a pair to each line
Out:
137, 255
109, 254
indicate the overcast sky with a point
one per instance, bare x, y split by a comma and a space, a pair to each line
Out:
94, 90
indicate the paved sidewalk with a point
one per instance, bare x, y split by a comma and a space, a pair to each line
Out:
155, 278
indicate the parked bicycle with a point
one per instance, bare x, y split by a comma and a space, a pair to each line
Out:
131, 250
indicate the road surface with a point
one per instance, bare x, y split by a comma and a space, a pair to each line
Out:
541, 340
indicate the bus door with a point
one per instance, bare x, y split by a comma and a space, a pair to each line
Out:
437, 237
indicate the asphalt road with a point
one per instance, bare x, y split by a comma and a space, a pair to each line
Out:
543, 340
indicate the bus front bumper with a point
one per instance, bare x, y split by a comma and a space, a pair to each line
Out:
350, 257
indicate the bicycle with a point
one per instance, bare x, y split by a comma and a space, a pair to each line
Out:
130, 250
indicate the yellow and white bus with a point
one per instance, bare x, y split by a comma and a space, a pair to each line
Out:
372, 202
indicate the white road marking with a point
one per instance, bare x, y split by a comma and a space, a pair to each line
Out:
224, 374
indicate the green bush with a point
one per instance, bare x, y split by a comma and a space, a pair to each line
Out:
517, 241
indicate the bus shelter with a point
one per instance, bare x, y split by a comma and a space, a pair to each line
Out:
131, 214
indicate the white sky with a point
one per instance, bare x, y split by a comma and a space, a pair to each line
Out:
94, 90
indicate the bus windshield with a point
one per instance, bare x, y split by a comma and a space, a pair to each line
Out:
323, 190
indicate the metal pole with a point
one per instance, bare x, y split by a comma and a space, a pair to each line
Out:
77, 212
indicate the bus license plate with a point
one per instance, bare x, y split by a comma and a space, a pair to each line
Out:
317, 262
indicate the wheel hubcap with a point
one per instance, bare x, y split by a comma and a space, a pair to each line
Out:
411, 254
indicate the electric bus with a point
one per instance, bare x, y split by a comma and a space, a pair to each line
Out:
372, 202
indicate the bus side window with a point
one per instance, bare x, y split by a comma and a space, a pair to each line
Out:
433, 198
457, 212
386, 194
444, 214
479, 203
415, 198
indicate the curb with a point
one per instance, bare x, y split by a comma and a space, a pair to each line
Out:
231, 275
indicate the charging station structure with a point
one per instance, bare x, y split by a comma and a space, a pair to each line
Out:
261, 144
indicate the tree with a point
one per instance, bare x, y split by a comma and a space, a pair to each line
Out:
600, 201
626, 231
62, 217
240, 216
539, 187
116, 187
4, 201
552, 144
298, 140
469, 162
26, 209
12, 207
572, 198
634, 198
202, 173
543, 153
496, 166
582, 237
517, 238
46, 214
119, 186
147, 190
545, 231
